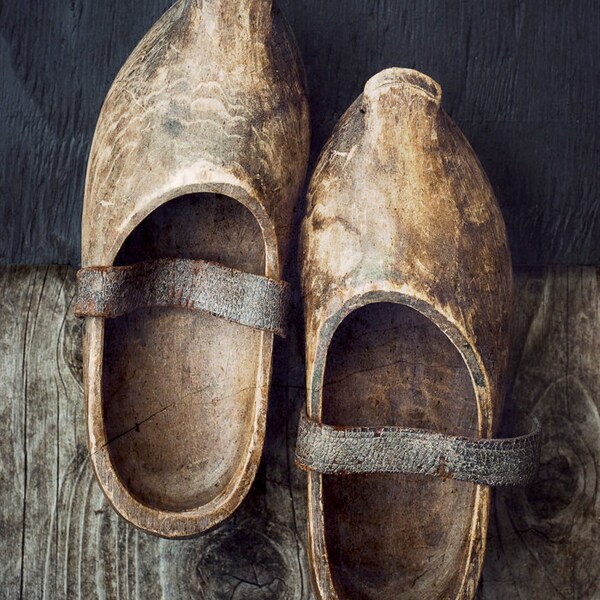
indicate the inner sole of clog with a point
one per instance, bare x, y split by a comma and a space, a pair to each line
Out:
179, 387
393, 536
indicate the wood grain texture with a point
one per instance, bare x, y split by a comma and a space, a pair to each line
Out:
544, 538
62, 540
60, 537
518, 77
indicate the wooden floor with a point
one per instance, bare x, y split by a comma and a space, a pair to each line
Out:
61, 540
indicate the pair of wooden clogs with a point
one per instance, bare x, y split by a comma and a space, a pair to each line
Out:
198, 159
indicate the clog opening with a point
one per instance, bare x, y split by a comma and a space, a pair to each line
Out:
393, 536
180, 387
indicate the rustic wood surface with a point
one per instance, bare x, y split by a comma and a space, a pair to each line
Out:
520, 79
60, 539
543, 541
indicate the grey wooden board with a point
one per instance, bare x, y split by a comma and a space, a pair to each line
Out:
521, 79
60, 539
544, 542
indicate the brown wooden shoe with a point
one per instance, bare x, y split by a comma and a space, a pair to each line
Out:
407, 287
198, 157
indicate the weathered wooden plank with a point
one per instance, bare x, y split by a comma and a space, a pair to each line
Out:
15, 297
64, 539
542, 543
38, 370
517, 76
544, 539
46, 380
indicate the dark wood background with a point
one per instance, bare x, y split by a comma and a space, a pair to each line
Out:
520, 77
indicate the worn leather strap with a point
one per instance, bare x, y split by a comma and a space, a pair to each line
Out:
343, 450
251, 300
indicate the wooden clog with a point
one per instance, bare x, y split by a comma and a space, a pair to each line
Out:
407, 287
199, 154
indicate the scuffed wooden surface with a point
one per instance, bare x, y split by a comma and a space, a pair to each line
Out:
544, 539
61, 540
518, 77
